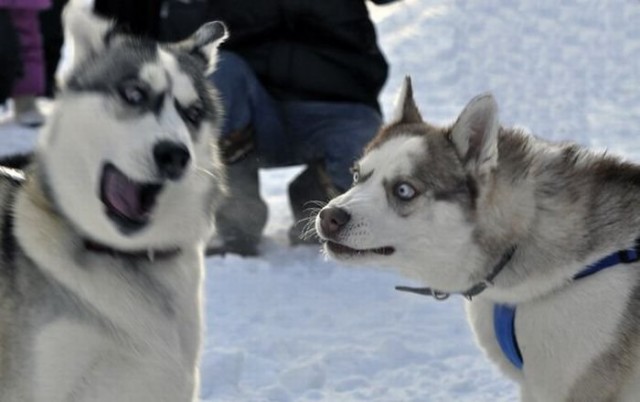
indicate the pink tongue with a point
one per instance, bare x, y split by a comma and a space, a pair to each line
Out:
123, 195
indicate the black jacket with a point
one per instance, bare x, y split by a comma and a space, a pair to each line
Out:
139, 17
300, 49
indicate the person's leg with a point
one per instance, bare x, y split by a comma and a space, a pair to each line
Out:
308, 192
329, 137
251, 119
52, 39
241, 217
10, 63
247, 103
354, 127
31, 84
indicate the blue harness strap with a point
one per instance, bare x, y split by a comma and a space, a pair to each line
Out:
504, 315
620, 257
504, 318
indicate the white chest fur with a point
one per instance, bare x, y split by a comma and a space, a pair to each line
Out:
561, 334
137, 345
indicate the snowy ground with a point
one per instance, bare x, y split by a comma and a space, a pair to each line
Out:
290, 326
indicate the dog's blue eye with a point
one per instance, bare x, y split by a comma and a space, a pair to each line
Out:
133, 94
404, 191
356, 177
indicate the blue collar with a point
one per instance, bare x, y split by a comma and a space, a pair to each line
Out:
504, 315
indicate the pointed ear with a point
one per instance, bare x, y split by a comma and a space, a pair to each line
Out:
475, 135
85, 34
204, 43
406, 109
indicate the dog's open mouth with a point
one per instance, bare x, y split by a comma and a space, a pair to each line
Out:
341, 249
128, 203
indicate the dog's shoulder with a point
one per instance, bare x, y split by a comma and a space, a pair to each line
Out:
10, 180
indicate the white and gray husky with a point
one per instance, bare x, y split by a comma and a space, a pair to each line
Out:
540, 237
102, 241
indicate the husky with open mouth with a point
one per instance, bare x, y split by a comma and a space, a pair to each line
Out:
540, 237
103, 233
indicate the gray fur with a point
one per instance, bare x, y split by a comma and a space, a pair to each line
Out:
87, 312
568, 186
562, 206
120, 62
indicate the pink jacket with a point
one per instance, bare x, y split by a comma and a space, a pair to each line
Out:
26, 4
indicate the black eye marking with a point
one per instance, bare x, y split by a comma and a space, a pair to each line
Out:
448, 195
157, 103
459, 190
192, 114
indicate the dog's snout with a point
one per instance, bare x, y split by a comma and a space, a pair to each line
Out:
171, 158
333, 219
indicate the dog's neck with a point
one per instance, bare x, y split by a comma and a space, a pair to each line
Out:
564, 208
149, 254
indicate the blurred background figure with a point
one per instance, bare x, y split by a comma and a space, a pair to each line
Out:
30, 82
52, 40
299, 80
10, 63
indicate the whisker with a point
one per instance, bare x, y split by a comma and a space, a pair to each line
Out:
205, 171
316, 203
309, 229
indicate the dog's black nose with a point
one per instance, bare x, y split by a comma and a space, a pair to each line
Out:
171, 158
333, 219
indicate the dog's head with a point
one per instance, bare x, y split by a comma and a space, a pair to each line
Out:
129, 154
417, 195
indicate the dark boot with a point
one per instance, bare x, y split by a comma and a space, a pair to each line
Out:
310, 190
241, 218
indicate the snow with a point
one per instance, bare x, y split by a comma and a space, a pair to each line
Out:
290, 326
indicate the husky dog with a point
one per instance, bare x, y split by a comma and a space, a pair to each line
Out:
101, 256
509, 221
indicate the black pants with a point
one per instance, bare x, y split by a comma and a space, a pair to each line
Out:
241, 219
52, 39
10, 63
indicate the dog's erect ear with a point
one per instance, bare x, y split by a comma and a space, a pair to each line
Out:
85, 34
406, 109
204, 43
475, 135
